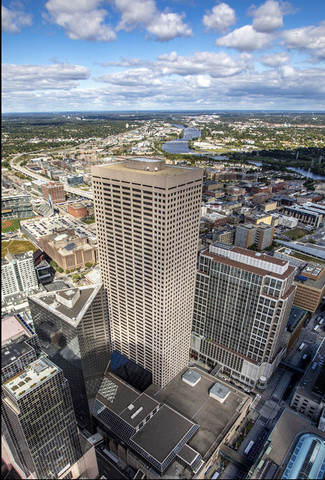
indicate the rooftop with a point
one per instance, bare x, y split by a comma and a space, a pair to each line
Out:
65, 304
34, 374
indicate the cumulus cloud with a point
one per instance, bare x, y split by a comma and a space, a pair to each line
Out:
220, 18
275, 59
81, 19
268, 17
310, 39
135, 12
14, 20
214, 64
42, 77
246, 39
167, 26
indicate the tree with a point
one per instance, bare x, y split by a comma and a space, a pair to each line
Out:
60, 269
88, 264
67, 271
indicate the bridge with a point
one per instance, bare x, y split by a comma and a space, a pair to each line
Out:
236, 458
291, 367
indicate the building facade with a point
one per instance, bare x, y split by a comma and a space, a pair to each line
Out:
17, 273
72, 326
148, 217
39, 424
53, 191
242, 303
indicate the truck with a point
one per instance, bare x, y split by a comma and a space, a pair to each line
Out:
301, 346
215, 475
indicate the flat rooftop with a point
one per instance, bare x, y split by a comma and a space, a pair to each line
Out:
74, 314
11, 329
31, 377
195, 404
12, 351
167, 171
162, 433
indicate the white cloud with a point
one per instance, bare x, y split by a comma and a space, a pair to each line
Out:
310, 39
144, 13
215, 64
268, 17
220, 19
167, 26
246, 39
136, 77
275, 59
124, 62
14, 20
81, 19
135, 12
42, 77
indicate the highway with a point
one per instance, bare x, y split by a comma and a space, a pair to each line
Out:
36, 176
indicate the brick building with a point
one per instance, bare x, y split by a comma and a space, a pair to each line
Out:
55, 190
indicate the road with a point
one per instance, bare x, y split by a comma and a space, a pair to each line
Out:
106, 468
36, 176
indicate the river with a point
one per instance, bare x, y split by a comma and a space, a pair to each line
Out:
180, 145
302, 171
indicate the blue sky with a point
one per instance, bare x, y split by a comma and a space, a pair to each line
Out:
79, 55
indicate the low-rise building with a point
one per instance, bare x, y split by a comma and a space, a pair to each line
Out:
68, 250
295, 449
177, 430
310, 285
309, 213
309, 397
77, 210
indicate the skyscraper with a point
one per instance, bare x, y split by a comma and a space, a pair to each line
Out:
39, 422
242, 303
147, 217
17, 273
72, 326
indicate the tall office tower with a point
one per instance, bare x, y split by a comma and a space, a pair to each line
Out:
242, 303
147, 226
39, 424
72, 326
17, 273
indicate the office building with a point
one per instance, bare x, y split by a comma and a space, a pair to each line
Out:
17, 273
78, 210
242, 303
72, 325
309, 213
53, 191
67, 249
147, 216
38, 420
248, 234
16, 206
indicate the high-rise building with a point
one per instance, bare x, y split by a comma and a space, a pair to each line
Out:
39, 424
147, 217
242, 303
17, 273
72, 326
248, 234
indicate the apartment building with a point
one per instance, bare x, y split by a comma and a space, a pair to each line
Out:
17, 273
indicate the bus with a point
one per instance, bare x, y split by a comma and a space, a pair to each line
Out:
301, 346
248, 448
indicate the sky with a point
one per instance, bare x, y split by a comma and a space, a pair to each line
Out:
110, 55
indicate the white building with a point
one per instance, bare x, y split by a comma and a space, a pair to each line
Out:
286, 221
17, 273
148, 216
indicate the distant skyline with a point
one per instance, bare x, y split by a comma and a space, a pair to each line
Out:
89, 55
